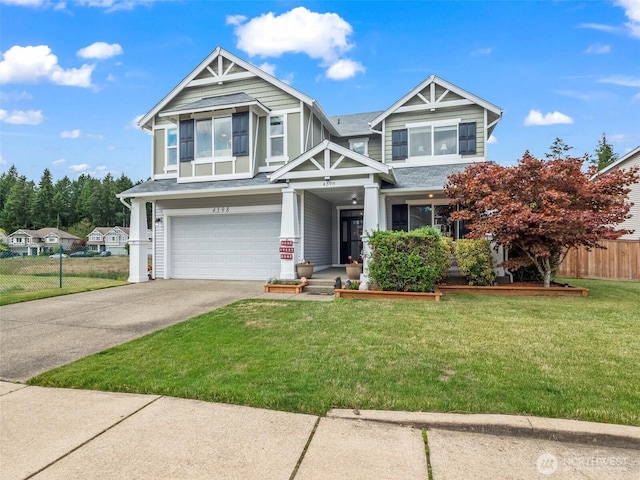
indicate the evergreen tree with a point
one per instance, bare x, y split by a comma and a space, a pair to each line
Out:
7, 180
558, 149
62, 203
18, 209
44, 214
604, 154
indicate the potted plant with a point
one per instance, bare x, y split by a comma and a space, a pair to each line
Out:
354, 270
304, 269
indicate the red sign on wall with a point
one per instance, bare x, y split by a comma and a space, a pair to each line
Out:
286, 256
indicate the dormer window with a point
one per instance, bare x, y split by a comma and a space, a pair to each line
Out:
359, 145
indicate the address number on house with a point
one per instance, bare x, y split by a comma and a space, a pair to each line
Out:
220, 210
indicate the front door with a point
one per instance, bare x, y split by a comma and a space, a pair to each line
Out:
351, 235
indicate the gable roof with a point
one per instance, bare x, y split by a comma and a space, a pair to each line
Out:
327, 170
251, 69
43, 232
433, 80
621, 160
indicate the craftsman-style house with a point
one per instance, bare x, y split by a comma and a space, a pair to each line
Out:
249, 175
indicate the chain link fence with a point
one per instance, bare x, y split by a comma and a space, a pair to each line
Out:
29, 273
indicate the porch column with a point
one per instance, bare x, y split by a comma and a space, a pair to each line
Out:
138, 242
290, 232
371, 222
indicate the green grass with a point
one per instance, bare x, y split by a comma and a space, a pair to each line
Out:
555, 357
23, 288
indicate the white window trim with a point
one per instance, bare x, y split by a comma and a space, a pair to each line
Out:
453, 122
279, 158
360, 139
212, 158
170, 168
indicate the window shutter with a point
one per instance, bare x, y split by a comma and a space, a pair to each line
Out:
186, 140
240, 128
467, 138
399, 148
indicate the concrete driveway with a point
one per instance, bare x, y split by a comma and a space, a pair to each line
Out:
39, 335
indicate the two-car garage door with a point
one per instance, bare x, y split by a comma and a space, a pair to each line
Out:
232, 247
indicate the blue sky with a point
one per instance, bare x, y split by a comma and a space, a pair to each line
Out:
75, 75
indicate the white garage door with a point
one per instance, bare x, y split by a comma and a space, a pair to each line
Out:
229, 247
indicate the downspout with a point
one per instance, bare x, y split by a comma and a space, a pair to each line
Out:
124, 203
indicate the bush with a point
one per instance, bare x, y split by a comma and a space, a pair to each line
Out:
475, 261
408, 261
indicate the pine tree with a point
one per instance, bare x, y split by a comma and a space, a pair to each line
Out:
604, 154
558, 149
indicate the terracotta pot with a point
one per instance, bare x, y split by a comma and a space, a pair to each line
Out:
304, 270
354, 271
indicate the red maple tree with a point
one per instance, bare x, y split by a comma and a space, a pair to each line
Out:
541, 207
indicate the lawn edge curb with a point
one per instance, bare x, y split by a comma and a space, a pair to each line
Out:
561, 430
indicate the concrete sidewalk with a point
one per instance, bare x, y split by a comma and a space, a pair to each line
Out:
77, 434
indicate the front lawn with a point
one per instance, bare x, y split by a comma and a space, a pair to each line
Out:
546, 356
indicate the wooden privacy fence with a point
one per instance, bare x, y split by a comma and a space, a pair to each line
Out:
620, 261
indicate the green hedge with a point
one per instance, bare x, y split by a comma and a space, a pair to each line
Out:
408, 261
475, 261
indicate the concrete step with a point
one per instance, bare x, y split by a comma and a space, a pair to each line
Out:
319, 289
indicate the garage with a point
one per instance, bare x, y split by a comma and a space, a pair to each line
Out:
227, 247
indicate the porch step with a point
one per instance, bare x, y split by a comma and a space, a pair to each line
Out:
320, 286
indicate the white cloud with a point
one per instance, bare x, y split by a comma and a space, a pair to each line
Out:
536, 117
269, 68
235, 19
598, 49
79, 167
600, 27
23, 3
59, 162
622, 80
636, 98
343, 69
15, 96
492, 140
322, 36
3, 162
31, 64
70, 134
100, 50
22, 117
134, 123
482, 51
632, 11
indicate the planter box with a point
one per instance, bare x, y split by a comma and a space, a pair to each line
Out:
381, 295
281, 288
516, 290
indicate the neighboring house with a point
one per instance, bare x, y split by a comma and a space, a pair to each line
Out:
249, 175
4, 238
630, 160
111, 239
33, 242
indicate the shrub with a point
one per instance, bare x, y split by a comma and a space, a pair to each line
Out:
408, 261
475, 261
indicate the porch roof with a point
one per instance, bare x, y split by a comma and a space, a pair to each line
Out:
354, 124
215, 103
170, 187
427, 178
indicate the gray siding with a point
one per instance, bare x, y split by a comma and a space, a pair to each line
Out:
317, 229
471, 113
633, 223
268, 94
158, 151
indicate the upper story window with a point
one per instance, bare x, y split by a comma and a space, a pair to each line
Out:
211, 138
359, 145
172, 150
95, 237
441, 138
277, 129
